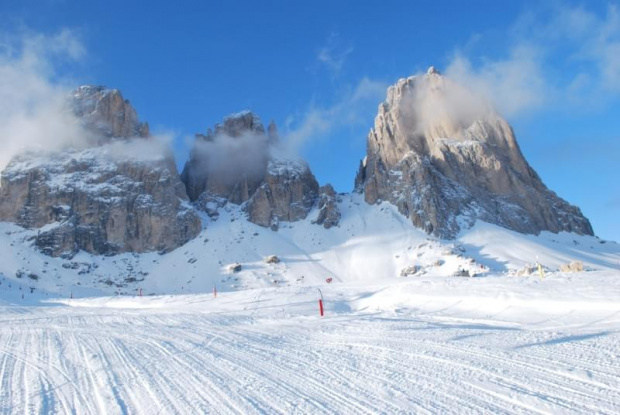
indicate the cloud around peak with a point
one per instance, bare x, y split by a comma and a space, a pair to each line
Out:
32, 100
561, 55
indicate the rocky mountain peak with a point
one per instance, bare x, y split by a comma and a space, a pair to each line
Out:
233, 163
106, 113
115, 196
446, 158
236, 125
229, 161
433, 71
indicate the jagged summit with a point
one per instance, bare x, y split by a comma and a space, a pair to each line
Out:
111, 195
433, 71
229, 161
446, 158
233, 163
106, 113
235, 125
438, 152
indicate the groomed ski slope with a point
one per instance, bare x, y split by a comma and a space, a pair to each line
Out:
429, 345
426, 343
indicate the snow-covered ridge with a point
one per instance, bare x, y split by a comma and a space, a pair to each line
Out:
243, 114
456, 143
102, 158
281, 166
94, 170
372, 244
121, 196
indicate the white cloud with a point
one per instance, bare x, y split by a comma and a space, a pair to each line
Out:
560, 56
32, 107
599, 37
34, 110
334, 54
228, 159
514, 85
368, 89
318, 122
155, 148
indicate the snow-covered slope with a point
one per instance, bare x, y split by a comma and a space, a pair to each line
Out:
372, 244
426, 343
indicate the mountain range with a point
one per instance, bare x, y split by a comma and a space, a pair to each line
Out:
440, 162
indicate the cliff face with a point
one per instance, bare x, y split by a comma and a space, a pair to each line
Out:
329, 214
87, 200
118, 195
288, 192
233, 164
446, 159
229, 161
106, 113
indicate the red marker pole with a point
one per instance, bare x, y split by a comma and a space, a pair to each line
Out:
321, 303
214, 291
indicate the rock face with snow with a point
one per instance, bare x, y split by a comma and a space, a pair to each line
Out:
445, 159
288, 193
106, 113
233, 163
117, 196
329, 214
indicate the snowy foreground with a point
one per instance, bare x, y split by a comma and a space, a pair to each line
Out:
429, 345
504, 341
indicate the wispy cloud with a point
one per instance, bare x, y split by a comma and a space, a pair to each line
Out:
318, 122
230, 159
513, 84
32, 105
591, 38
334, 54
34, 109
560, 55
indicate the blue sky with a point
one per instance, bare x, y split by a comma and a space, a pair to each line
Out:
320, 69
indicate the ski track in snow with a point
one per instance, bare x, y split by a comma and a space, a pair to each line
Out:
428, 343
264, 351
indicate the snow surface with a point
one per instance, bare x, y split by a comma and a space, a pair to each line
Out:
427, 343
